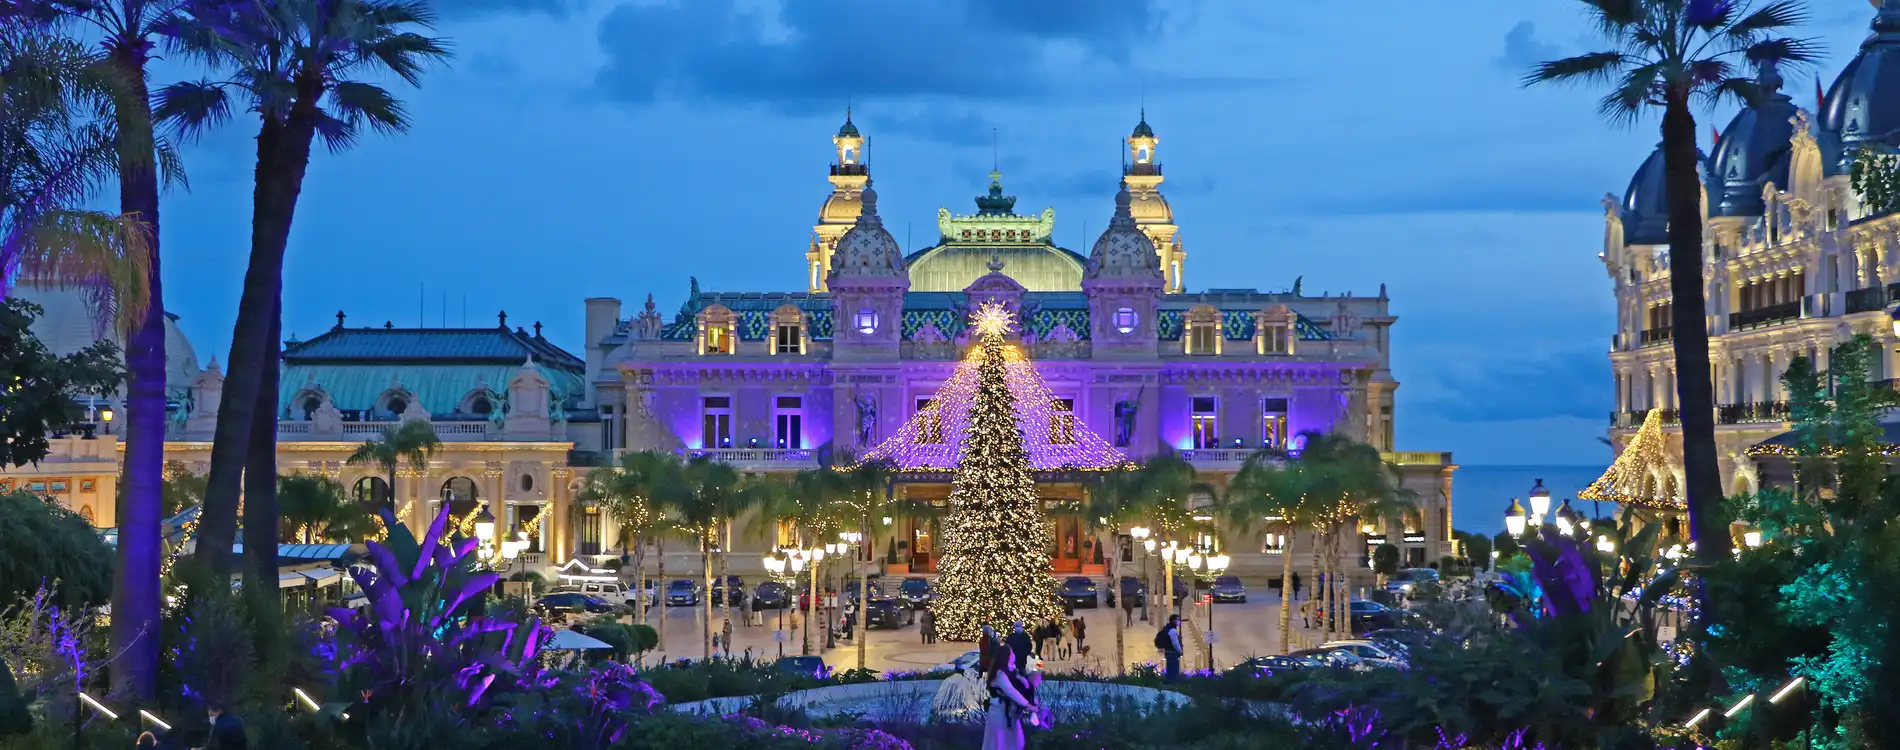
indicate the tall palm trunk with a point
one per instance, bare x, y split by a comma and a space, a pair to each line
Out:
639, 579
705, 564
1112, 569
136, 598
1317, 579
1695, 392
1286, 592
260, 509
659, 549
283, 157
811, 602
725, 551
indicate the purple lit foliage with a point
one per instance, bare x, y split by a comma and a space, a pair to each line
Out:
424, 641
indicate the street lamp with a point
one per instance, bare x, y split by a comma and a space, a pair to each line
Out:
105, 415
485, 526
1142, 536
1540, 502
1567, 518
1514, 518
1751, 539
1214, 565
1893, 314
1604, 545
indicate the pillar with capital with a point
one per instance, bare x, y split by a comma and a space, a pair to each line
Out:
558, 529
496, 503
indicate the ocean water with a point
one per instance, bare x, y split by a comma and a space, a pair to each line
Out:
1480, 494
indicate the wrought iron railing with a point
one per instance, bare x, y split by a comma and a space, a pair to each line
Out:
1655, 336
1761, 317
1752, 412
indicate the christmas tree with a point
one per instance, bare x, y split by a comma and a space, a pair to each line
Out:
995, 567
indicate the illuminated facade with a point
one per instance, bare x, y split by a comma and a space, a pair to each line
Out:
763, 380
1793, 263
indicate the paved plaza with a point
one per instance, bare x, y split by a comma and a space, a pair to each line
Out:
1243, 630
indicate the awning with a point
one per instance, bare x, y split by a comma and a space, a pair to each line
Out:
290, 580
323, 576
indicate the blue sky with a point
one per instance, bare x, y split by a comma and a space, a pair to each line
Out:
579, 148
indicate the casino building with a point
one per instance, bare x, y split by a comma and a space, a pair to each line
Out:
766, 381
1794, 264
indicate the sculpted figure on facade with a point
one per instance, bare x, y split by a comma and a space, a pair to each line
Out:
867, 420
1125, 411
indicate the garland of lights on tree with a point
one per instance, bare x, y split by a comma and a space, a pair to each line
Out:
1632, 479
995, 566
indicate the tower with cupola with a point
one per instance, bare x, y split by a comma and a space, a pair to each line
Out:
1151, 212
849, 177
1124, 284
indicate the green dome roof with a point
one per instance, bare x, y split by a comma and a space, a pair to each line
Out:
847, 130
1141, 128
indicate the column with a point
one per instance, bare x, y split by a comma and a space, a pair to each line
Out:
493, 500
559, 529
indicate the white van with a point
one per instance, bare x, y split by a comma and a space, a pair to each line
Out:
611, 592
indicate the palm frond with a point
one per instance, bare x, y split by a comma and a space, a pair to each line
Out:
1623, 104
1611, 17
1589, 67
358, 103
1796, 53
1780, 14
171, 166
189, 108
108, 254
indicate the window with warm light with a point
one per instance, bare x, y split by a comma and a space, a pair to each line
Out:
718, 339
1062, 421
788, 422
716, 425
590, 531
1203, 338
1206, 423
1273, 423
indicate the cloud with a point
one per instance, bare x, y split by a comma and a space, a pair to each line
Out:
1573, 383
456, 10
1522, 49
804, 56
954, 127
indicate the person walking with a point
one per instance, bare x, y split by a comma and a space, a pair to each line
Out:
1042, 638
725, 636
1081, 633
1296, 586
1019, 643
928, 627
1168, 642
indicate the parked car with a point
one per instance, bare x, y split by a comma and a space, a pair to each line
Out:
1341, 658
916, 592
734, 589
1131, 588
1079, 592
1229, 589
1404, 582
1369, 616
1402, 639
851, 590
1268, 665
802, 666
559, 606
612, 592
772, 595
682, 592
887, 613
964, 663
1372, 652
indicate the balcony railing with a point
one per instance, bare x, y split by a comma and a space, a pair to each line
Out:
1656, 336
1762, 317
759, 459
1872, 298
1217, 458
1417, 458
1752, 412
1634, 419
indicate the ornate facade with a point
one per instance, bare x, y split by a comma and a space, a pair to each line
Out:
765, 380
1793, 264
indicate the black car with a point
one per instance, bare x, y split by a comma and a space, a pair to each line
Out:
734, 589
1229, 589
682, 593
772, 595
851, 590
572, 603
1368, 616
887, 613
917, 593
1133, 590
1263, 666
802, 666
1079, 592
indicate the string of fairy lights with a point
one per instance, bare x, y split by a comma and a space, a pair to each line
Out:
995, 566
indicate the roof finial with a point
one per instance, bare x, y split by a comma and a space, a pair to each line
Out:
995, 161
537, 329
996, 263
339, 320
503, 317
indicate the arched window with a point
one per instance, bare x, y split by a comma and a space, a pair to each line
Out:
481, 405
1278, 329
788, 331
392, 404
373, 490
527, 482
310, 406
461, 496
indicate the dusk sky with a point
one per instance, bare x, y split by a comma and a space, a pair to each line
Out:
581, 148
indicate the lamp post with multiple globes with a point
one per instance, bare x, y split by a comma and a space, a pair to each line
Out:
784, 570
1540, 503
1514, 519
1141, 535
1209, 566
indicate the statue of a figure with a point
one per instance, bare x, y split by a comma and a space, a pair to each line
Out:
1125, 422
867, 419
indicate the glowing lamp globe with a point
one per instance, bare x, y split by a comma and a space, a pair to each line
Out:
1514, 518
1218, 562
1751, 539
485, 526
1149, 545
1540, 499
1604, 545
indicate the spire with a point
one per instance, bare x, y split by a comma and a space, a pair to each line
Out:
847, 130
1123, 217
1142, 130
867, 217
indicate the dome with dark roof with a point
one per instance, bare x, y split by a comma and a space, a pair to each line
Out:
847, 130
868, 249
1863, 105
1753, 151
1141, 128
1123, 251
1645, 210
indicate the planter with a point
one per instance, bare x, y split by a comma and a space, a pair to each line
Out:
896, 569
1094, 570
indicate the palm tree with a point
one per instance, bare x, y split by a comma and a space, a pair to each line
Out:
812, 508
59, 143
1345, 481
1664, 53
314, 506
867, 487
1116, 500
698, 513
634, 493
1169, 485
1271, 489
413, 443
301, 66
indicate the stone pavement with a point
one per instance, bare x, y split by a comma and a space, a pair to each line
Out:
1243, 630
